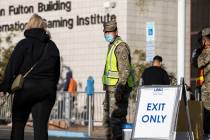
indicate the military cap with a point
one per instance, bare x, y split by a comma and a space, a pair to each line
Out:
110, 26
205, 31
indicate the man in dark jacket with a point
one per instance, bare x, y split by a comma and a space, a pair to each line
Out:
155, 75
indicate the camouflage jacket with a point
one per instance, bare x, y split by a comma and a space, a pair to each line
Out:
122, 53
204, 62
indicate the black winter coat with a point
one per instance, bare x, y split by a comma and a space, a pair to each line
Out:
27, 52
155, 76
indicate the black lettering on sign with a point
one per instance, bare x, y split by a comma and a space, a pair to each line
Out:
2, 12
17, 26
54, 6
95, 19
20, 9
62, 22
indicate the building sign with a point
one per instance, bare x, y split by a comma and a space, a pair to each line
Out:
76, 27
150, 40
156, 114
51, 6
150, 31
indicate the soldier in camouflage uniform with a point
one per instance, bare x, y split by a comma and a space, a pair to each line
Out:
117, 82
204, 62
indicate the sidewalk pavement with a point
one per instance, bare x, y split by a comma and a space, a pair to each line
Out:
73, 133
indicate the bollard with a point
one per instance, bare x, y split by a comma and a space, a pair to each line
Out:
90, 91
67, 107
127, 130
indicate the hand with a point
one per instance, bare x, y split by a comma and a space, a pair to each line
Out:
2, 94
118, 97
119, 92
120, 89
104, 88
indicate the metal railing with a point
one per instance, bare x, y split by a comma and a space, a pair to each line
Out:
6, 108
76, 111
73, 110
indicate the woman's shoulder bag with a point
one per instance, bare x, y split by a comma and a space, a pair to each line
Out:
19, 80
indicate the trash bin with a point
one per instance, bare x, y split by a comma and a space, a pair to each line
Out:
127, 130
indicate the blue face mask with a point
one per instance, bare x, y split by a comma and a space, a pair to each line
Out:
109, 38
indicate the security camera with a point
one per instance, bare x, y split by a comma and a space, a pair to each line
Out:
109, 4
113, 4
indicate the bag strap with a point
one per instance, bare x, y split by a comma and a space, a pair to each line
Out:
36, 62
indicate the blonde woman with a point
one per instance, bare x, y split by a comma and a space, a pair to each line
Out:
37, 96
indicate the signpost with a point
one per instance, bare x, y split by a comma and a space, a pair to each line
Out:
90, 92
156, 115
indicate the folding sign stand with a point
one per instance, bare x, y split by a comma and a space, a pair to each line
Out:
184, 98
157, 113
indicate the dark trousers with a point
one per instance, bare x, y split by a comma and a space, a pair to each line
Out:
206, 122
39, 100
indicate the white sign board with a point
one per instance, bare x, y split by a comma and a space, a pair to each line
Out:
150, 38
150, 31
156, 113
150, 51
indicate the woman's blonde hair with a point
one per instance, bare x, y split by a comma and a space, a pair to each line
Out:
36, 21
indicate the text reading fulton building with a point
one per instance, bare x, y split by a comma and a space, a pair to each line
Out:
76, 27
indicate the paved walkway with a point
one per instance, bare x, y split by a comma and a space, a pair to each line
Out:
73, 133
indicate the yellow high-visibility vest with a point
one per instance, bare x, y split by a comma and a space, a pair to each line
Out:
111, 73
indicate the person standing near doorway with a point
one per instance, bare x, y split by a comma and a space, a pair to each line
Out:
155, 75
204, 63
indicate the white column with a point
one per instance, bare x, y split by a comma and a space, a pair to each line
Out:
181, 40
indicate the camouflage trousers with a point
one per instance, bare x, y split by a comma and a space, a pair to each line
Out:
114, 115
205, 96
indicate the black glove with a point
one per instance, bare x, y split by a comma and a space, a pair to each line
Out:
118, 97
120, 89
119, 92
